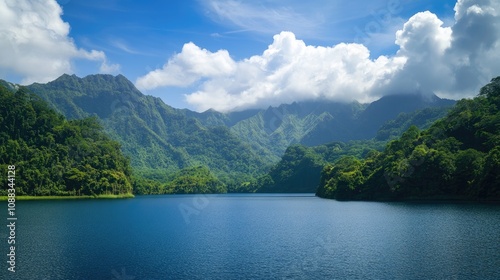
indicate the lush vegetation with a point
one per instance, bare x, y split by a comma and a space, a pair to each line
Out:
66, 197
160, 140
300, 167
423, 119
280, 149
56, 157
196, 179
458, 157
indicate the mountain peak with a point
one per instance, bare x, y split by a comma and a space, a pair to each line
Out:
413, 101
100, 94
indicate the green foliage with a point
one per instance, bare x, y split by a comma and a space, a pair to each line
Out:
339, 181
420, 118
298, 171
458, 157
54, 156
159, 140
198, 179
238, 148
300, 167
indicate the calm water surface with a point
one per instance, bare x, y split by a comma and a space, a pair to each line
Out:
253, 236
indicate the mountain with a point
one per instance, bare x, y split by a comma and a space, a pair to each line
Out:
300, 167
458, 157
389, 107
311, 123
237, 146
365, 123
159, 139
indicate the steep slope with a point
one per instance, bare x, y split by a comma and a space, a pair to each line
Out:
423, 119
300, 167
155, 135
365, 124
389, 107
236, 146
272, 130
55, 156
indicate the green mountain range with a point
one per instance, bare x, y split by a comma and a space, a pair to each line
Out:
238, 149
159, 139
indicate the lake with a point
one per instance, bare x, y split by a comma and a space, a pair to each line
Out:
253, 236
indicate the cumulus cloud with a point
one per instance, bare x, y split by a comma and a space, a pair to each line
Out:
289, 70
451, 61
187, 67
35, 42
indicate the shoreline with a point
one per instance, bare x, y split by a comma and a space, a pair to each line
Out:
59, 197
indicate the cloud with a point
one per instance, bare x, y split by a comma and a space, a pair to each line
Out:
192, 64
35, 42
454, 61
451, 61
287, 71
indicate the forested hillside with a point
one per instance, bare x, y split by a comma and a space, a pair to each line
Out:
300, 167
159, 139
458, 157
53, 156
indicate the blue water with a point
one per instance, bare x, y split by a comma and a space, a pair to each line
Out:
253, 236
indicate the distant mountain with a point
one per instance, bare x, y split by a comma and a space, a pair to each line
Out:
272, 130
364, 124
389, 107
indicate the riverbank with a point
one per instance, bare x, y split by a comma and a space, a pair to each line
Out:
102, 196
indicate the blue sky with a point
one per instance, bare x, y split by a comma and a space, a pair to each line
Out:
234, 39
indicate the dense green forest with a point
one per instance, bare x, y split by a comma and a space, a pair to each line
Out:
238, 148
190, 180
54, 156
300, 167
458, 157
279, 149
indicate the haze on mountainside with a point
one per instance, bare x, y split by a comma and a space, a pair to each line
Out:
449, 57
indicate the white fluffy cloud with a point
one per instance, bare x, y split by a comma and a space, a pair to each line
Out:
35, 42
187, 67
289, 70
451, 61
